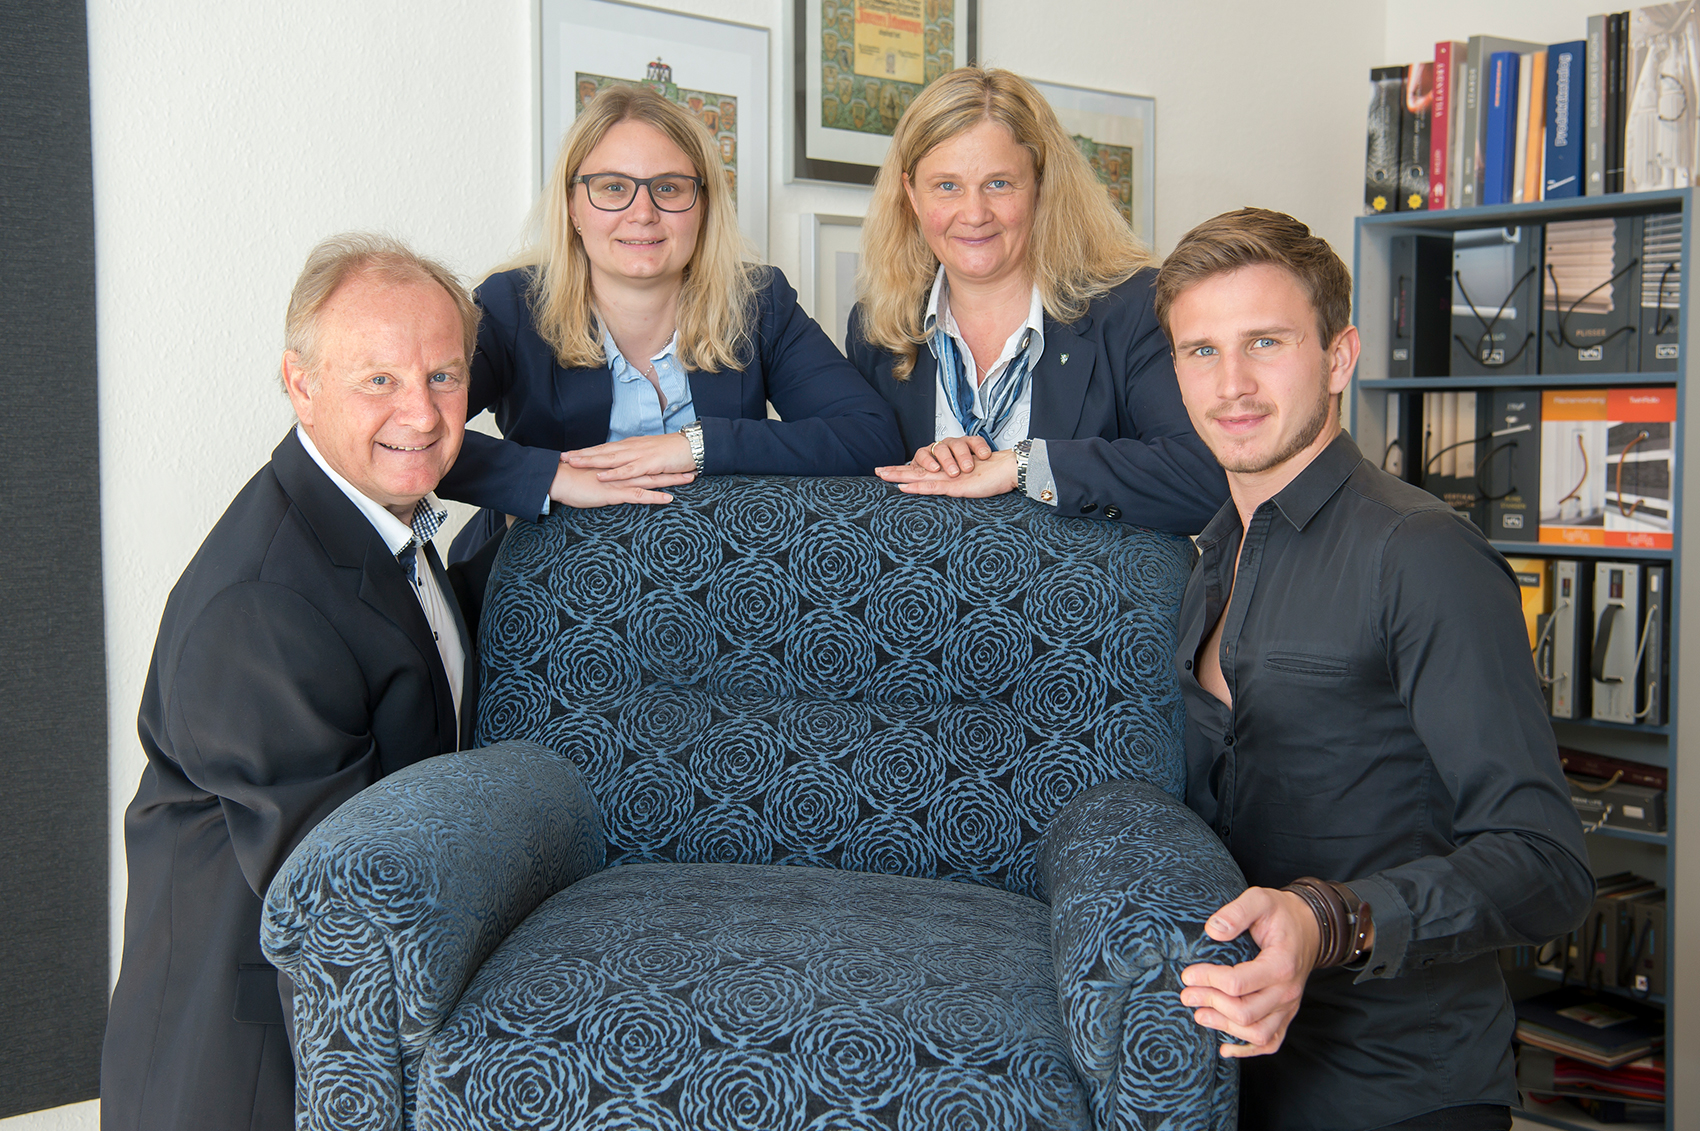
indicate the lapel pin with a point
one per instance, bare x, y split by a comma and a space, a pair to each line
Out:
1064, 359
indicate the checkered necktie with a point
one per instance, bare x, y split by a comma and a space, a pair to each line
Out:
426, 523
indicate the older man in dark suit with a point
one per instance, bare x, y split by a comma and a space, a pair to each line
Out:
313, 645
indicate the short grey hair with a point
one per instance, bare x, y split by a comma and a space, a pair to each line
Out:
364, 254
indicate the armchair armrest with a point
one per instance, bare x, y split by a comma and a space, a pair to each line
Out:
1131, 876
387, 908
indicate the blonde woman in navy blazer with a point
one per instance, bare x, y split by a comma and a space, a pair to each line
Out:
988, 222
649, 261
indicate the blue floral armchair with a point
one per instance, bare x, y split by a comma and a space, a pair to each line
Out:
806, 806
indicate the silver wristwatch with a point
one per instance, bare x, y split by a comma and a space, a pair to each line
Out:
692, 432
1023, 451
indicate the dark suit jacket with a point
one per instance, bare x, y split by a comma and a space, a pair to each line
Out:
293, 668
1107, 405
833, 423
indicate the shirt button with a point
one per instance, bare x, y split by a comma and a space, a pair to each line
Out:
1112, 512
1088, 508
1228, 741
1188, 665
1379, 971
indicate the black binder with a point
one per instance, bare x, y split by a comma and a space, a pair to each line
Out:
1496, 293
1421, 326
1591, 296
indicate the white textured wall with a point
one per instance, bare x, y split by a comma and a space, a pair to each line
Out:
229, 138
1414, 29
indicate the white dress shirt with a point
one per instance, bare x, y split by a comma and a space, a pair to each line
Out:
397, 535
1040, 484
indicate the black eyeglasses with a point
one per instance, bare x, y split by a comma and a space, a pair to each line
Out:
614, 192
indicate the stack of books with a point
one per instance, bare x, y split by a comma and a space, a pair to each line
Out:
1631, 1093
1504, 121
1587, 1027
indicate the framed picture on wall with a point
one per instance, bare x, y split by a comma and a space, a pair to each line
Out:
857, 64
832, 253
1117, 133
715, 69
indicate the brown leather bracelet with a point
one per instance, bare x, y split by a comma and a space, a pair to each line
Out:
1342, 918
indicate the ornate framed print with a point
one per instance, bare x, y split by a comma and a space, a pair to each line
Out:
715, 69
1117, 133
857, 65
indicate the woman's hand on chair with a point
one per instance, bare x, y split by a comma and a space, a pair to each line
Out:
583, 487
992, 474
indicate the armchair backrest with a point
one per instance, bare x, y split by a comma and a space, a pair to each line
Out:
828, 672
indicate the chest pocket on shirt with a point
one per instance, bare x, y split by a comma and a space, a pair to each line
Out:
1308, 665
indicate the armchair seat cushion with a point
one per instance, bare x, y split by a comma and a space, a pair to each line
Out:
745, 996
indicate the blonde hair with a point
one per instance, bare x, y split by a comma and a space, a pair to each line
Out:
351, 255
1080, 245
717, 299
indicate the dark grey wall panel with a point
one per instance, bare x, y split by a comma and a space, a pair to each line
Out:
53, 745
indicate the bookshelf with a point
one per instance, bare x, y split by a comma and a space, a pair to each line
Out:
1672, 857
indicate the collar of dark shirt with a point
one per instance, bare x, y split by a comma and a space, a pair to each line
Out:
1299, 500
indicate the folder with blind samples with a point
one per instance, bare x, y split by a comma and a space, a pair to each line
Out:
1630, 647
1495, 294
1561, 648
1661, 293
1590, 313
1607, 466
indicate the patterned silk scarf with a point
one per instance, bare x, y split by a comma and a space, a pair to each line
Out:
1001, 398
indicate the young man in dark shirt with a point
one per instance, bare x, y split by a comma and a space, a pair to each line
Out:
1365, 728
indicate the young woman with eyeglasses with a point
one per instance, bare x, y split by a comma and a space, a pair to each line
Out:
635, 347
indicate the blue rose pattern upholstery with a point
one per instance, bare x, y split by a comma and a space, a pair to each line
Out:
386, 909
797, 706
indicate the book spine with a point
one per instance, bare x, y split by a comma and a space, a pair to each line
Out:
1417, 104
1440, 126
1501, 99
1565, 67
1534, 160
1622, 98
1610, 134
1520, 137
1593, 136
1470, 138
1381, 154
1616, 64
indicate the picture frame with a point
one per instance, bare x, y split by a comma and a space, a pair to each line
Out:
717, 69
848, 93
832, 254
1119, 132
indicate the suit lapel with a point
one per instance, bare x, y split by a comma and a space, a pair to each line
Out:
1060, 381
584, 400
469, 673
352, 543
384, 586
916, 401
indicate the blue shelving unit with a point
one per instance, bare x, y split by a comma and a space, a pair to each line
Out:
1672, 857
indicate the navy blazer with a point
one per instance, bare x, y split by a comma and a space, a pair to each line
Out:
834, 424
1107, 405
294, 667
